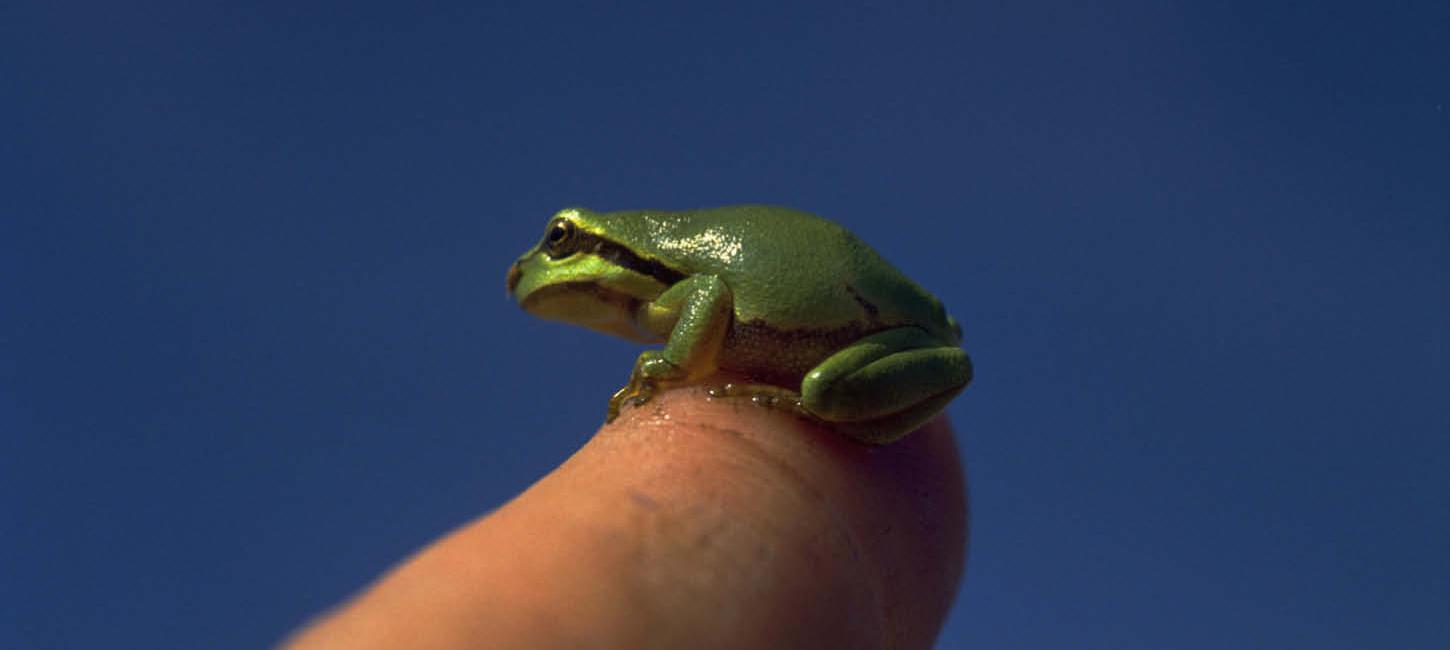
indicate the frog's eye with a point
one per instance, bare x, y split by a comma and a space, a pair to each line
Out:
559, 238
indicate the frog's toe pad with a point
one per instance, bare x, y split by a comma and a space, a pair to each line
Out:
761, 395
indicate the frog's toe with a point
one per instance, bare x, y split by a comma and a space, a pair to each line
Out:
761, 395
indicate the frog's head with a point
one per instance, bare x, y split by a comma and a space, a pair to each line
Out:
581, 272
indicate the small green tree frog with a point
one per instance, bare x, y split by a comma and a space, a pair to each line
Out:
813, 317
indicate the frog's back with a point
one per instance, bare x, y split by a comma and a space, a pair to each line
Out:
789, 268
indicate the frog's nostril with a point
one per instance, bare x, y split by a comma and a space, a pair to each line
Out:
513, 278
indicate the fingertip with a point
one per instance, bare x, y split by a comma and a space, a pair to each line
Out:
897, 513
692, 521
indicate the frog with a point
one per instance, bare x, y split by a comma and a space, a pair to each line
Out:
813, 319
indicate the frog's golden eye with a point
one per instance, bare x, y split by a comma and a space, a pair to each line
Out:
559, 239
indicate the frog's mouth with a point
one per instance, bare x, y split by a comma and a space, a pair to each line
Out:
512, 281
591, 305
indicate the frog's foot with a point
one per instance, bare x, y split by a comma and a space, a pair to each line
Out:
762, 395
652, 371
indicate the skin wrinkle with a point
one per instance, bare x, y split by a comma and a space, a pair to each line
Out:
740, 457
839, 522
752, 460
896, 478
672, 531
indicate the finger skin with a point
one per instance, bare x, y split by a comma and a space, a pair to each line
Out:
691, 522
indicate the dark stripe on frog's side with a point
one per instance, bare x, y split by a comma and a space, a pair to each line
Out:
871, 310
588, 242
781, 357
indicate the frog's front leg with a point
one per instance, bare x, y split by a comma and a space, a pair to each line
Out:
887, 384
701, 308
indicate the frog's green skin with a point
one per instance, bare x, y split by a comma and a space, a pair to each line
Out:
788, 299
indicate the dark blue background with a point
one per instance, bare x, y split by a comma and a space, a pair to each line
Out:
254, 344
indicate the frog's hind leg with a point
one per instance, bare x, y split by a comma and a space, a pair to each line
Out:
887, 384
890, 429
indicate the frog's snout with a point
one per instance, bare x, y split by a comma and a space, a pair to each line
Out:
513, 278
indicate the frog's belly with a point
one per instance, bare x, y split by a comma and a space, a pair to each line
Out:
781, 357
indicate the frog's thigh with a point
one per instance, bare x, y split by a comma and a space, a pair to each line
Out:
891, 428
885, 375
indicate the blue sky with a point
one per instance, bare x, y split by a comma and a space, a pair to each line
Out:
254, 344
